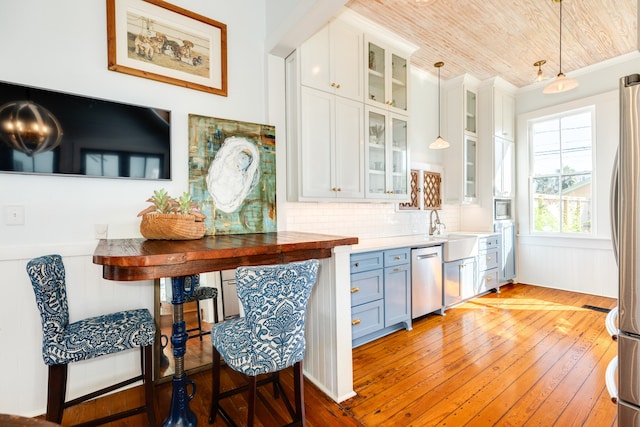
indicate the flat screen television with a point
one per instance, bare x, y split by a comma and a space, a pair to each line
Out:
47, 132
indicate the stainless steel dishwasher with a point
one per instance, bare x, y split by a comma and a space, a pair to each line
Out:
426, 281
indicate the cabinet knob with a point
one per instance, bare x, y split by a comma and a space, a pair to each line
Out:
339, 189
357, 264
355, 322
337, 86
354, 290
397, 269
398, 257
489, 279
488, 258
333, 85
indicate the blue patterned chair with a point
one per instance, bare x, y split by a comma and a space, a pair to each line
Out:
269, 338
64, 342
201, 293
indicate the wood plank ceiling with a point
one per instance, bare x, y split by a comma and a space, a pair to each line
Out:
488, 38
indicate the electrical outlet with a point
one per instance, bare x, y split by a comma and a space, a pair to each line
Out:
14, 215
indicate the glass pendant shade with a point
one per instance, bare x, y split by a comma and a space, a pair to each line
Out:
562, 83
439, 144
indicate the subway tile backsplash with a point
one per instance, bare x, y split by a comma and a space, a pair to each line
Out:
363, 220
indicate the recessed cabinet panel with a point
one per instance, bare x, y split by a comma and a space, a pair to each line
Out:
331, 130
317, 123
331, 60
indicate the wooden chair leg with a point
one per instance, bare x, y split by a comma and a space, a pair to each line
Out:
149, 391
215, 310
215, 386
298, 387
57, 390
251, 401
199, 320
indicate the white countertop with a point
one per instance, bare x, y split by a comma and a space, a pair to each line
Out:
411, 240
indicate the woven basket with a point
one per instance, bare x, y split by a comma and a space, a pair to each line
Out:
156, 226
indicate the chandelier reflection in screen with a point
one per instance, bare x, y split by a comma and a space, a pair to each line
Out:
28, 127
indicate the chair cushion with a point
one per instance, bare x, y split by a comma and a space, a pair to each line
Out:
271, 336
99, 335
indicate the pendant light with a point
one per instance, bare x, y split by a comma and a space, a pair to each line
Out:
562, 83
540, 76
439, 143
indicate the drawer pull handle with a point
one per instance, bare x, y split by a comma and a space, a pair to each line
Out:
354, 290
355, 322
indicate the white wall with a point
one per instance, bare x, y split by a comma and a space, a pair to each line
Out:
62, 46
578, 264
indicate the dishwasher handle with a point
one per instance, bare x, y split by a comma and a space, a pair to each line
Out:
431, 255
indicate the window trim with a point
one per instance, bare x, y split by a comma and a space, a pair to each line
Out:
591, 108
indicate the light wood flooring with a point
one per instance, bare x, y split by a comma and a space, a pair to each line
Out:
528, 356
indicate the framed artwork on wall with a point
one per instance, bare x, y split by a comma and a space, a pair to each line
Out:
160, 41
232, 174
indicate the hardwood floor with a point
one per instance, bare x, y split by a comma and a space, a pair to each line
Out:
528, 356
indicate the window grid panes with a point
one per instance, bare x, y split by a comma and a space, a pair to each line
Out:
561, 173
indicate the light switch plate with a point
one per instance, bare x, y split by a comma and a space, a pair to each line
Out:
14, 215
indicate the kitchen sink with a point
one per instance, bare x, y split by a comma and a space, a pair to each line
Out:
459, 246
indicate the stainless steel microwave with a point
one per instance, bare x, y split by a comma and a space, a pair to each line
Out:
502, 209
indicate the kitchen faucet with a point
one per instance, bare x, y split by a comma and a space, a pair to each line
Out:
434, 226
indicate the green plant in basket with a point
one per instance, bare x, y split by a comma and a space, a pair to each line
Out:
172, 219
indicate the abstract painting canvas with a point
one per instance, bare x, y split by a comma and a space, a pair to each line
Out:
232, 174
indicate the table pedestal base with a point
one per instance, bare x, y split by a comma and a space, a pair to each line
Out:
180, 415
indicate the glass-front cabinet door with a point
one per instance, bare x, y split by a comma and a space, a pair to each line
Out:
386, 78
471, 109
470, 169
387, 155
399, 158
376, 154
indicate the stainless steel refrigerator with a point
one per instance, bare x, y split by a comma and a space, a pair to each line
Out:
625, 217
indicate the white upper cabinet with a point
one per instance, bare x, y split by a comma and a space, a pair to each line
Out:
332, 147
386, 78
460, 180
386, 155
503, 115
331, 61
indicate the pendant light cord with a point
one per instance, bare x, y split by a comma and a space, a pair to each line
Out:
439, 134
560, 36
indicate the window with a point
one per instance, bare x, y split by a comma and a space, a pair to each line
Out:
561, 172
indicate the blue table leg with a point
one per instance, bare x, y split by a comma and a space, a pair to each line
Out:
180, 415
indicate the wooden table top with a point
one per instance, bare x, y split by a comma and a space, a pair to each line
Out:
141, 259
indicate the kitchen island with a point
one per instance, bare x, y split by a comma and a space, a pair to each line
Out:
327, 362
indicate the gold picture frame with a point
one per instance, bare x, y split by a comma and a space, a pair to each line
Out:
160, 41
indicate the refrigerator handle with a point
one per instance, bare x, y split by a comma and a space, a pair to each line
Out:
610, 323
613, 205
610, 379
